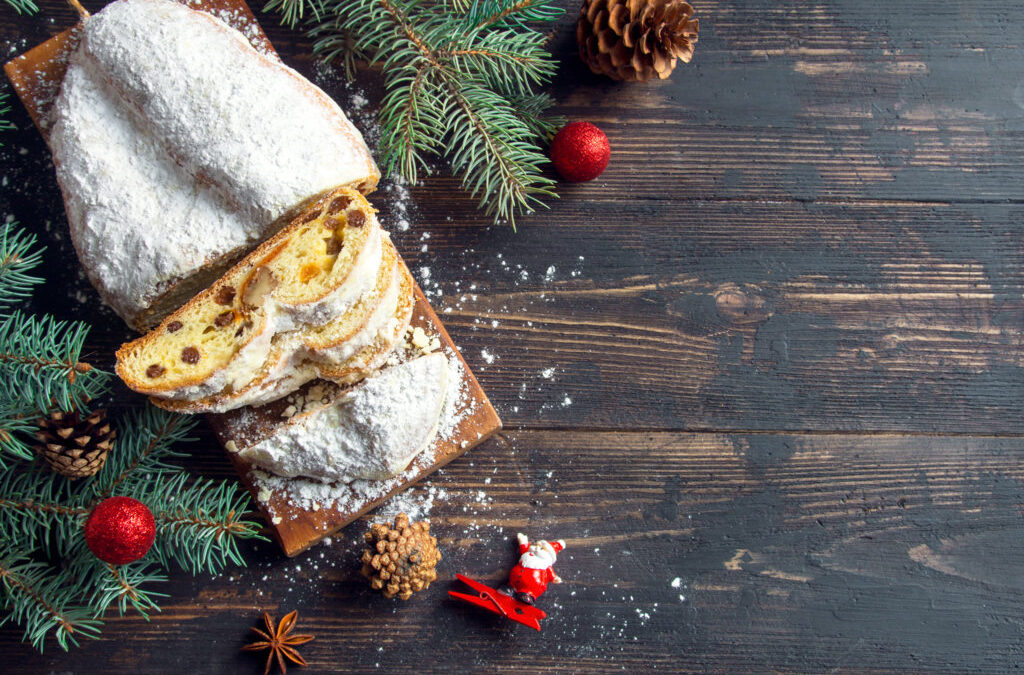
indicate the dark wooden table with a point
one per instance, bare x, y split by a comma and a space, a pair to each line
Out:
771, 392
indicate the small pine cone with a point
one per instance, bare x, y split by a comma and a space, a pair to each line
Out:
636, 39
400, 560
73, 446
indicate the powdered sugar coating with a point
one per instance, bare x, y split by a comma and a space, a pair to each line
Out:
123, 195
177, 143
313, 495
371, 432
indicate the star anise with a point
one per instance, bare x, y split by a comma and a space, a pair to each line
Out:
279, 642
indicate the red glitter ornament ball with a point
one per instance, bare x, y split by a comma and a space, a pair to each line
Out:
120, 530
580, 151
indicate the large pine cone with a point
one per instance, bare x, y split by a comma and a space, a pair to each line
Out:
73, 446
400, 560
636, 39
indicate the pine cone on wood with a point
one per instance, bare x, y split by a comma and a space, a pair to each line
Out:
636, 39
73, 446
400, 560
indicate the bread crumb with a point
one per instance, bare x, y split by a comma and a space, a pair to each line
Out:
419, 338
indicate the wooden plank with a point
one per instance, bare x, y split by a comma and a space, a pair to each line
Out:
743, 315
798, 101
720, 315
36, 76
793, 553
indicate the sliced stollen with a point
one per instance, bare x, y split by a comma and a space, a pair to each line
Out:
179, 147
371, 431
298, 357
371, 357
318, 267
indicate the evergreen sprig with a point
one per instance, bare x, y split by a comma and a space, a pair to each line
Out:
460, 83
39, 362
43, 600
18, 255
17, 424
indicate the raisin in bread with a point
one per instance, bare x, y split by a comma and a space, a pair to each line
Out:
317, 268
179, 147
356, 343
372, 431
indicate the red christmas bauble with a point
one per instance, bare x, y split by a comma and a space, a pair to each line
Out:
580, 151
120, 530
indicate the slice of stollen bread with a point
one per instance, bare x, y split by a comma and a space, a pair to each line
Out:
179, 147
370, 358
293, 358
370, 432
315, 269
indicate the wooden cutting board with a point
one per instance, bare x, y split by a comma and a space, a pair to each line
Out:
36, 76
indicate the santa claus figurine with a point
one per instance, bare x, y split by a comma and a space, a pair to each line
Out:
532, 574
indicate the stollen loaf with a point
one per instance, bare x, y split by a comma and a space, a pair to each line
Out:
179, 148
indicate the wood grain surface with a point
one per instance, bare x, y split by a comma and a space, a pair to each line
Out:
764, 375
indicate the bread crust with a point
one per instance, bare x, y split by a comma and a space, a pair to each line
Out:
150, 142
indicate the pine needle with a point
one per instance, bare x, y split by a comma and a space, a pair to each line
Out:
5, 124
23, 6
293, 11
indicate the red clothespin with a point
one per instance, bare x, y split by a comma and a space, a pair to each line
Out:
500, 603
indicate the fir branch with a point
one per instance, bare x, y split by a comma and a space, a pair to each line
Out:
39, 362
144, 444
491, 146
451, 75
123, 586
531, 111
40, 510
499, 13
199, 527
507, 61
16, 259
16, 424
44, 601
23, 6
418, 114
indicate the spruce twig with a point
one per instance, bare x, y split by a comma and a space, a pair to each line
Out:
123, 586
17, 257
16, 427
43, 601
39, 361
201, 526
454, 73
294, 11
144, 444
